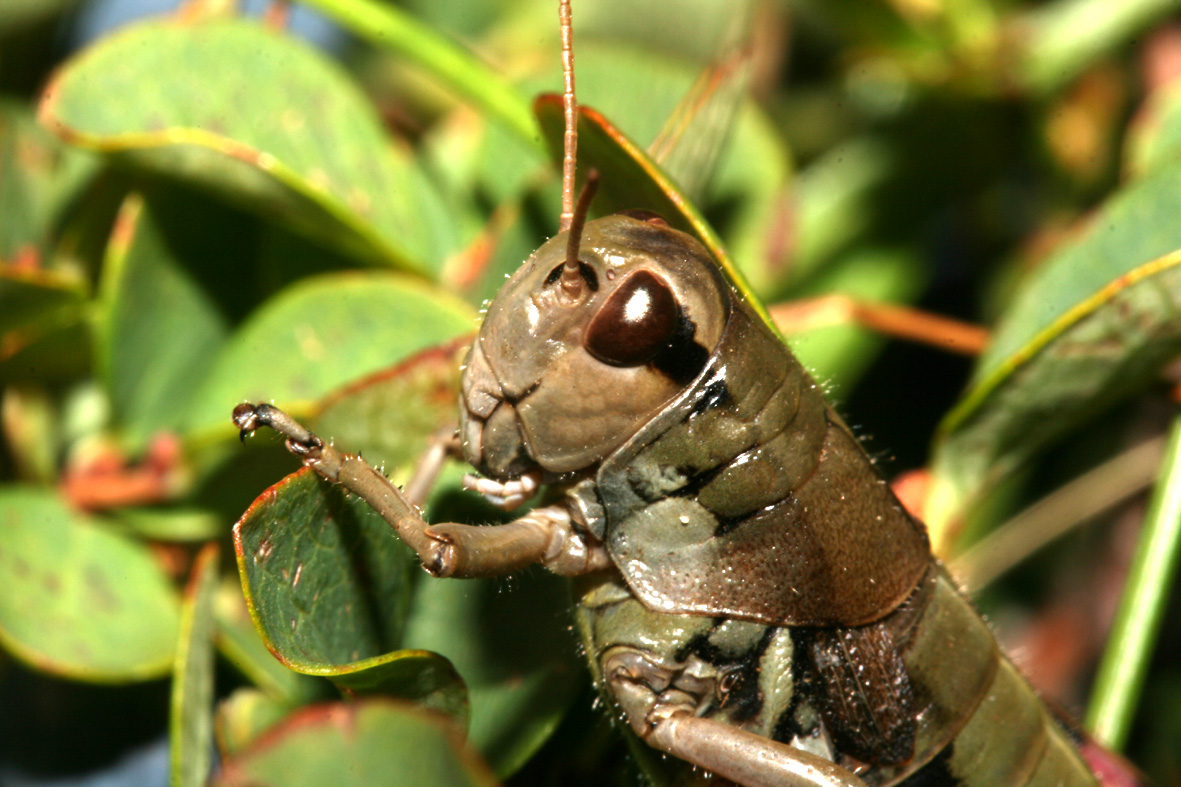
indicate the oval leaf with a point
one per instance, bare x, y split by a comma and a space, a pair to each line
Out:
513, 649
328, 584
372, 741
327, 581
1100, 318
390, 416
321, 333
283, 131
41, 176
240, 642
243, 716
160, 324
78, 600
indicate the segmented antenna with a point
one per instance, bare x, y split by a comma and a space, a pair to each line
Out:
572, 280
570, 106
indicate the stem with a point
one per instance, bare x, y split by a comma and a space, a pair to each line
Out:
1138, 619
391, 28
1058, 513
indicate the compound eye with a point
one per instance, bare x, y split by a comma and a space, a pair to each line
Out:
638, 321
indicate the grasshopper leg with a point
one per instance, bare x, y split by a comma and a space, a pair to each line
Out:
545, 535
661, 705
744, 757
443, 444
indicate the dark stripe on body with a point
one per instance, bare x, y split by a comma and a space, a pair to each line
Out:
683, 359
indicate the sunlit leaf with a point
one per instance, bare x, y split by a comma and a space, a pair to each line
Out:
1059, 39
1100, 318
80, 601
1156, 140
283, 131
321, 333
359, 744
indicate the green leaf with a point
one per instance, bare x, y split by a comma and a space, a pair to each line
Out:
1135, 633
41, 176
419, 675
513, 647
162, 324
706, 140
328, 585
30, 299
1099, 319
1155, 140
283, 131
55, 350
656, 84
321, 333
390, 416
41, 314
191, 718
835, 200
326, 580
1061, 38
80, 601
389, 27
753, 175
169, 524
243, 716
241, 643
838, 355
372, 741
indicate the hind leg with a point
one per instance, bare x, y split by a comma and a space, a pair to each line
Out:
661, 703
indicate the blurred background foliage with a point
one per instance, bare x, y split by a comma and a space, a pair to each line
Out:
203, 207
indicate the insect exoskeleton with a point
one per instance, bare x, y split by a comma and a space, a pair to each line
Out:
752, 597
557, 380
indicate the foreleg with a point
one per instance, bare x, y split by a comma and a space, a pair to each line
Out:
544, 536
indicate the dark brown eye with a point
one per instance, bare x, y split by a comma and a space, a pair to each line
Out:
637, 322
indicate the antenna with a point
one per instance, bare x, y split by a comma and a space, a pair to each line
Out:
570, 107
572, 280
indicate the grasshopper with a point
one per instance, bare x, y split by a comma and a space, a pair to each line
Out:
752, 597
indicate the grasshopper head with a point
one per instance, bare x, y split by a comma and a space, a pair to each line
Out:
557, 381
